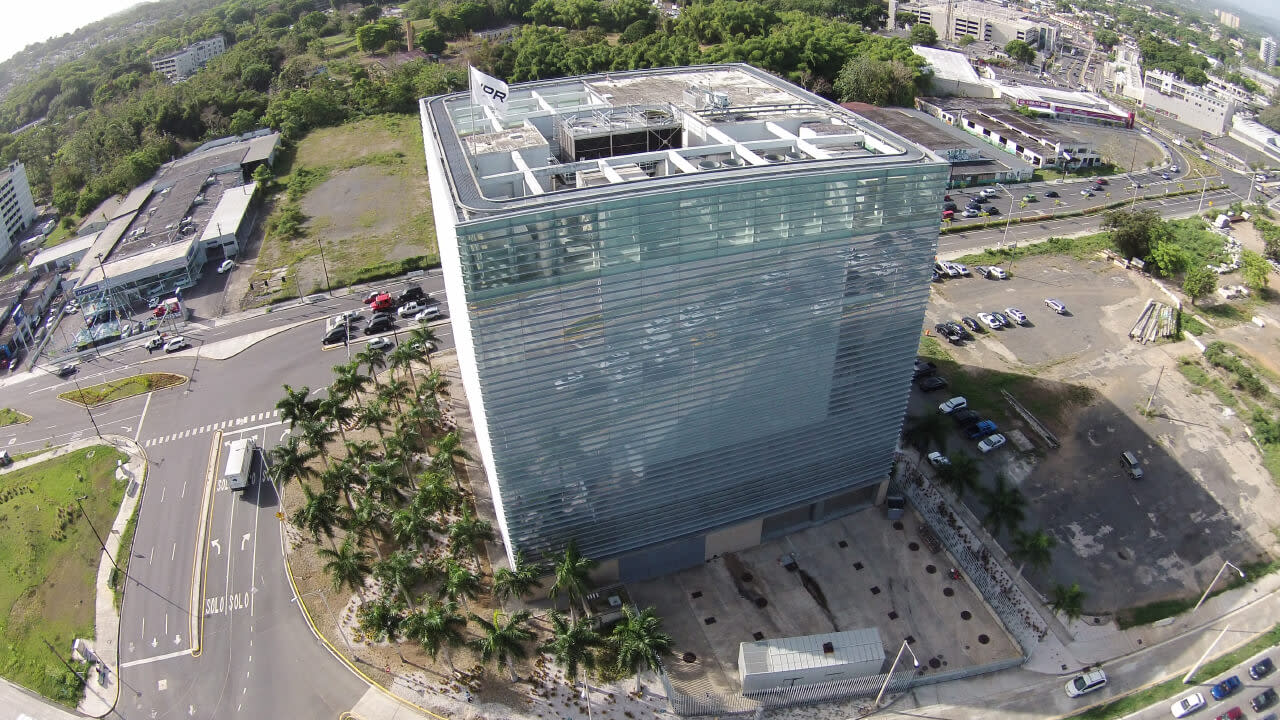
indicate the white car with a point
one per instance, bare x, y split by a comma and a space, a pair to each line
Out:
1018, 316
969, 213
428, 313
952, 405
71, 308
382, 343
1187, 705
952, 269
961, 269
154, 343
226, 266
176, 344
409, 309
937, 459
990, 320
349, 316
1086, 683
1056, 306
996, 273
991, 443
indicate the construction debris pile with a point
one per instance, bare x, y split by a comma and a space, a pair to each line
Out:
1156, 321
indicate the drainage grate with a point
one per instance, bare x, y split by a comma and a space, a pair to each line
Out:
857, 566
689, 657
709, 621
930, 569
747, 577
983, 639
893, 615
897, 525
762, 603
935, 663
948, 592
911, 639
875, 590
966, 615
913, 546
843, 543
695, 594
760, 636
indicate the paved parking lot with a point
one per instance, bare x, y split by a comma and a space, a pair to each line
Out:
1125, 542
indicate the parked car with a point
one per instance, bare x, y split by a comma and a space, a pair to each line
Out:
1224, 689
935, 382
989, 320
1018, 316
1264, 700
950, 406
176, 344
949, 333
957, 327
1004, 319
154, 343
969, 213
226, 266
1261, 669
428, 313
1086, 683
971, 323
1233, 714
962, 269
991, 443
1056, 306
382, 343
409, 309
71, 308
1133, 469
937, 459
1031, 197
413, 293
981, 430
1164, 176
382, 303
373, 296
923, 368
993, 210
995, 273
1087, 193
965, 417
5, 458
378, 323
947, 215
1101, 181
67, 370
1052, 194
949, 206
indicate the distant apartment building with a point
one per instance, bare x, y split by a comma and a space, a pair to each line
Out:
1267, 51
1164, 94
17, 208
989, 23
1228, 19
182, 64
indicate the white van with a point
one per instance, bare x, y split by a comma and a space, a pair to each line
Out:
240, 464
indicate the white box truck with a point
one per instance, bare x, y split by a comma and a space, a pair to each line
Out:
240, 463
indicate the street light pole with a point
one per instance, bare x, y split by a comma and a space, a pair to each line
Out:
95, 534
1217, 577
324, 267
85, 402
893, 667
1009, 219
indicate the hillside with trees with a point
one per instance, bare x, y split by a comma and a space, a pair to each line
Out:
99, 124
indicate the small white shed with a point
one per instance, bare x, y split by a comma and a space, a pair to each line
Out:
809, 659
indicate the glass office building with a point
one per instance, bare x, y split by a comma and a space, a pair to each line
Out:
686, 303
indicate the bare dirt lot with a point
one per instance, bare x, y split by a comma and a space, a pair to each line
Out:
1125, 542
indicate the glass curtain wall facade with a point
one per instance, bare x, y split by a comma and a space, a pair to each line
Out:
673, 360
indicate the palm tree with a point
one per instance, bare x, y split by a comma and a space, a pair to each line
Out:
436, 627
422, 415
295, 406
468, 531
410, 526
458, 581
1006, 506
348, 380
375, 415
342, 477
318, 514
448, 451
502, 640
926, 430
1068, 600
961, 475
365, 520
403, 357
317, 435
335, 410
639, 642
573, 644
436, 495
395, 389
399, 571
422, 340
348, 566
360, 452
380, 619
399, 446
289, 461
374, 359
1034, 549
573, 576
518, 580
383, 481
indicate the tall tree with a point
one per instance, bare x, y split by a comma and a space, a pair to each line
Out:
335, 410
502, 639
639, 642
572, 577
926, 430
423, 341
436, 626
380, 619
365, 520
1034, 549
349, 380
1068, 600
296, 407
449, 450
468, 531
961, 475
317, 434
289, 461
458, 581
411, 527
519, 580
348, 566
1200, 282
436, 495
402, 359
374, 359
1006, 506
318, 514
573, 644
398, 571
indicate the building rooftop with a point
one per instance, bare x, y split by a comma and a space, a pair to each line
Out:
948, 65
810, 651
66, 249
998, 109
230, 209
967, 154
569, 139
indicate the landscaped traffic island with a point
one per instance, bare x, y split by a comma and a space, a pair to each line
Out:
109, 392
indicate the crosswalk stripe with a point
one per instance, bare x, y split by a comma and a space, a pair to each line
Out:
149, 443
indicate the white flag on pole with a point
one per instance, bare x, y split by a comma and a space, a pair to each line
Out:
488, 91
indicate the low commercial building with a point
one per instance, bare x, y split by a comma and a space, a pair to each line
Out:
24, 299
63, 256
987, 21
182, 64
973, 162
809, 659
1166, 95
17, 209
993, 123
1123, 76
1249, 131
952, 74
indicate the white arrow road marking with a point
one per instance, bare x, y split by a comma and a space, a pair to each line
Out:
243, 539
216, 544
177, 639
283, 435
154, 642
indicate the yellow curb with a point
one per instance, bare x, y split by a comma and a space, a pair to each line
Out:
343, 658
196, 624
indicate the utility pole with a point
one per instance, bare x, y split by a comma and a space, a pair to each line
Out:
95, 534
1153, 390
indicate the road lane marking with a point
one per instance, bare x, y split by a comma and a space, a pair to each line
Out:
143, 417
162, 491
173, 552
151, 555
154, 658
199, 569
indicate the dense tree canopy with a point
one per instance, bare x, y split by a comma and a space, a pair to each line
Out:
1177, 59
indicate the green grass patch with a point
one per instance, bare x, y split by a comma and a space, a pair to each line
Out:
1192, 324
1161, 609
106, 392
1227, 314
49, 561
1172, 687
122, 557
1049, 401
1078, 247
387, 269
9, 416
932, 349
1195, 374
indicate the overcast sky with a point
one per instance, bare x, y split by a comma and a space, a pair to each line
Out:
31, 21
